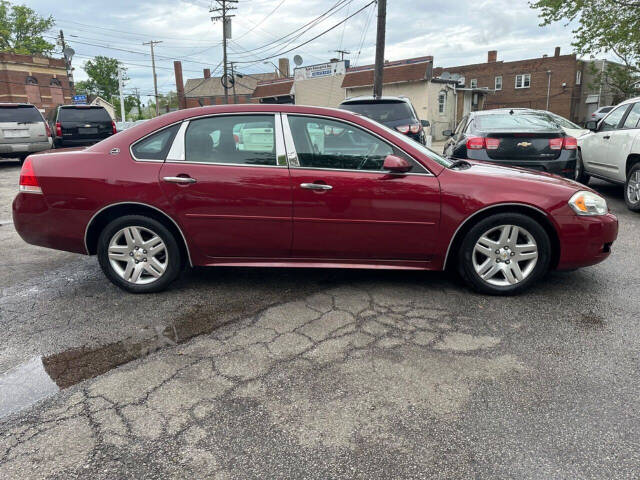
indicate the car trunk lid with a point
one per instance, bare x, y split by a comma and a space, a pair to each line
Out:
524, 145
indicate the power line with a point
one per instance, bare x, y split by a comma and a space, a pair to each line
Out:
261, 21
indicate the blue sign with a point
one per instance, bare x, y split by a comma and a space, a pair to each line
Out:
80, 99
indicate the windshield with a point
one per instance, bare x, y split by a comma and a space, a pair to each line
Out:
20, 114
436, 157
507, 121
382, 112
97, 114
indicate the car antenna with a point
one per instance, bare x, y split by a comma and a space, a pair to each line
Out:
511, 112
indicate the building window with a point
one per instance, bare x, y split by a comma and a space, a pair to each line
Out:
442, 102
31, 81
578, 77
54, 82
498, 83
523, 80
474, 83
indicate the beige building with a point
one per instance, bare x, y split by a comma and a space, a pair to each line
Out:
320, 85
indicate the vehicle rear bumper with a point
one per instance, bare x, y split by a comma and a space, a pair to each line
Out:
79, 142
585, 240
12, 149
38, 224
564, 165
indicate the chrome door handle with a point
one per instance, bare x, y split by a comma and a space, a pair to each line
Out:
316, 186
179, 179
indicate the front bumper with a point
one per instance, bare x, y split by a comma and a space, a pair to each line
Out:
585, 240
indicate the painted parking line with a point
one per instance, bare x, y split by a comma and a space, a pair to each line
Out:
6, 222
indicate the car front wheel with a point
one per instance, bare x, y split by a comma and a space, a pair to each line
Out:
632, 189
139, 254
504, 254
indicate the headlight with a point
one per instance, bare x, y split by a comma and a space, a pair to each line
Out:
588, 203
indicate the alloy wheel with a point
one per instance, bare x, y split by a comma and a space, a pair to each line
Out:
505, 255
633, 187
138, 255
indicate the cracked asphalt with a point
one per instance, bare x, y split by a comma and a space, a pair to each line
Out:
241, 373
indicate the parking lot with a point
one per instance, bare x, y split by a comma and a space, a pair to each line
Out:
275, 373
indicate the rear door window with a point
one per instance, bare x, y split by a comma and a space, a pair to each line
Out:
20, 114
633, 118
97, 114
155, 146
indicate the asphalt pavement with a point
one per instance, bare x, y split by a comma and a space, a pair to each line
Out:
276, 373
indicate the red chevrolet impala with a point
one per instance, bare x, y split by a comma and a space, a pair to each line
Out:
281, 185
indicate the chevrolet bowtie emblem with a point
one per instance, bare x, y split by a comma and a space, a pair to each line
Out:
524, 144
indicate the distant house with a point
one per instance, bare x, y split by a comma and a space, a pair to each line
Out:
101, 102
208, 90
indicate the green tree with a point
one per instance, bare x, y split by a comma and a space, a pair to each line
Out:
21, 30
103, 77
621, 81
602, 26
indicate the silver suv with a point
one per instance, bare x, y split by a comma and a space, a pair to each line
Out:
22, 131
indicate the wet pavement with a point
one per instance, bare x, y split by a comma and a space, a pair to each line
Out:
256, 373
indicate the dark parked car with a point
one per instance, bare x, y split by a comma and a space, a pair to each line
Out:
394, 112
518, 137
22, 130
179, 190
77, 125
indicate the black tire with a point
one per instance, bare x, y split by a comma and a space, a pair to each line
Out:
632, 203
580, 174
465, 261
173, 263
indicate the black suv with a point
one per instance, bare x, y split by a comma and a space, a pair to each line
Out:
518, 137
77, 125
393, 112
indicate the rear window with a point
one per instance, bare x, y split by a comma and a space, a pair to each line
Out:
382, 112
605, 109
20, 114
93, 114
507, 121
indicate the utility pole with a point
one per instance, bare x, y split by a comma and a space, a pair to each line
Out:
222, 14
67, 60
379, 69
233, 75
136, 92
342, 53
121, 94
153, 66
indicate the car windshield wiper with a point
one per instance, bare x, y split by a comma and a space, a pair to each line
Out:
463, 164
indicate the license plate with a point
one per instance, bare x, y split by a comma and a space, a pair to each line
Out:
15, 133
87, 131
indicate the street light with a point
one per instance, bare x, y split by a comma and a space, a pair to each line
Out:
275, 66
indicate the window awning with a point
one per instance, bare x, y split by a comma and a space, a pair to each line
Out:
592, 99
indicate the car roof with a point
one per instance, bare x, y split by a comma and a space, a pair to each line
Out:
372, 99
17, 105
631, 100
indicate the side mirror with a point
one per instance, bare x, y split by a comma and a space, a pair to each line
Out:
425, 123
591, 125
447, 133
395, 164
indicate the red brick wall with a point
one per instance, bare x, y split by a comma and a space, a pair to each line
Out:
562, 100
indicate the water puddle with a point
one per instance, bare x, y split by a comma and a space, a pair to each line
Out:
25, 385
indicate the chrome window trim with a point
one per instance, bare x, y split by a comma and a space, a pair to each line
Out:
176, 152
148, 135
507, 204
292, 155
290, 144
86, 229
279, 142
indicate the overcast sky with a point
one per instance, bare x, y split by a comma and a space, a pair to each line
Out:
454, 32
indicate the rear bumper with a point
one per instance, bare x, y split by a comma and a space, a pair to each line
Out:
79, 142
38, 224
564, 165
12, 149
585, 241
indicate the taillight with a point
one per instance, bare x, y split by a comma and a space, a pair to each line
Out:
47, 129
403, 129
236, 138
570, 143
28, 180
492, 143
113, 127
415, 128
475, 143
58, 129
555, 143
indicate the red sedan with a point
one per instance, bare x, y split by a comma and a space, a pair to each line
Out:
276, 185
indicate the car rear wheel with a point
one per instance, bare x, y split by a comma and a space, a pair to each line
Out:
632, 189
580, 174
504, 254
139, 254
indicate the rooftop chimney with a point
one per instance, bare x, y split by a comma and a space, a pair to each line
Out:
177, 68
283, 67
207, 73
492, 56
557, 52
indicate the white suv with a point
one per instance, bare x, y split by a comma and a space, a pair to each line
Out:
612, 150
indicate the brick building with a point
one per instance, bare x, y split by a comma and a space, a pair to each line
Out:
41, 81
528, 83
